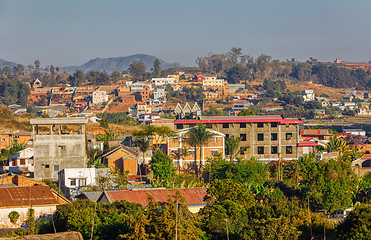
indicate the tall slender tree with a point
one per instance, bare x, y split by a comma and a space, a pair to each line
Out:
231, 146
197, 137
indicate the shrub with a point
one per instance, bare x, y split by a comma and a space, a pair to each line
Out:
13, 216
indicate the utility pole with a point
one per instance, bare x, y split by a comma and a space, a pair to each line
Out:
226, 225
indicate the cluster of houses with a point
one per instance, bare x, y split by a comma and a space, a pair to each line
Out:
52, 153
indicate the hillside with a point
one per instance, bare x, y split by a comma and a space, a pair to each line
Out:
118, 63
4, 63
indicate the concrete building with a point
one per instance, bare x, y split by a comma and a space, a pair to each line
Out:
55, 149
158, 93
22, 162
164, 81
263, 136
308, 95
99, 97
212, 81
216, 144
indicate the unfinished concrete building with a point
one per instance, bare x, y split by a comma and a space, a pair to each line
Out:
56, 148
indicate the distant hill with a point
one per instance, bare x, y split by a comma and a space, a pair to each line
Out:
4, 63
118, 63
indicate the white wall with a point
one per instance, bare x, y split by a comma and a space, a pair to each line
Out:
43, 212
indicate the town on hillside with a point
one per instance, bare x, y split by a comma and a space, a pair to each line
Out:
204, 152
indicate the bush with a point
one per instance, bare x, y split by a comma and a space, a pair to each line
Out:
13, 216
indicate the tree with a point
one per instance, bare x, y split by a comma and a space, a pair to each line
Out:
115, 76
37, 65
236, 73
77, 78
156, 71
357, 225
197, 137
232, 145
162, 166
137, 69
246, 112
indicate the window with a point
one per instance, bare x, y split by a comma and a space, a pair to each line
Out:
213, 151
260, 125
260, 136
22, 162
243, 137
274, 136
242, 125
242, 150
56, 168
214, 139
288, 136
260, 150
180, 126
47, 166
289, 150
73, 182
274, 124
227, 136
82, 182
3, 139
274, 150
225, 125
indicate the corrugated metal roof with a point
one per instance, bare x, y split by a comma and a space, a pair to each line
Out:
314, 132
26, 196
194, 196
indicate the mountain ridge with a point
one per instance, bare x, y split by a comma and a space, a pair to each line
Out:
117, 63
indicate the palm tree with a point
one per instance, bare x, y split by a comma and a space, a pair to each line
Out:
197, 137
231, 146
336, 144
143, 144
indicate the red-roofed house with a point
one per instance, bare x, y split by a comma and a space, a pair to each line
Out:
193, 196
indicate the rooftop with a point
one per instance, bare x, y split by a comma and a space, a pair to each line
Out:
51, 121
242, 119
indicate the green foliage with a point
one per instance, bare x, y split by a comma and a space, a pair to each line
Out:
137, 69
162, 166
241, 172
357, 225
232, 145
13, 216
31, 221
104, 123
328, 185
119, 118
212, 111
236, 73
246, 112
16, 233
13, 91
53, 186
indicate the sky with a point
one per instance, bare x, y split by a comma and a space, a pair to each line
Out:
72, 32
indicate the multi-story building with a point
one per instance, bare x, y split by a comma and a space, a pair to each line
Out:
158, 93
99, 97
266, 137
212, 81
55, 149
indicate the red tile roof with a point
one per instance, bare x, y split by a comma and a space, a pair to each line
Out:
26, 196
194, 196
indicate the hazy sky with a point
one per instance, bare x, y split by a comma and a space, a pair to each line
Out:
71, 32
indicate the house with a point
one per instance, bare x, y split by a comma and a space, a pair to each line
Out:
137, 87
123, 159
240, 105
215, 145
164, 81
55, 149
187, 112
362, 165
8, 137
158, 93
355, 131
73, 180
21, 199
148, 116
22, 162
236, 88
193, 196
308, 95
319, 134
99, 97
264, 136
212, 81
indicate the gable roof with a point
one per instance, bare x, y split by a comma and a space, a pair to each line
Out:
121, 148
26, 196
193, 196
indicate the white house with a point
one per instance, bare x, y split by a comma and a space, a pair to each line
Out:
22, 162
355, 131
73, 180
99, 97
308, 95
164, 81
158, 93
